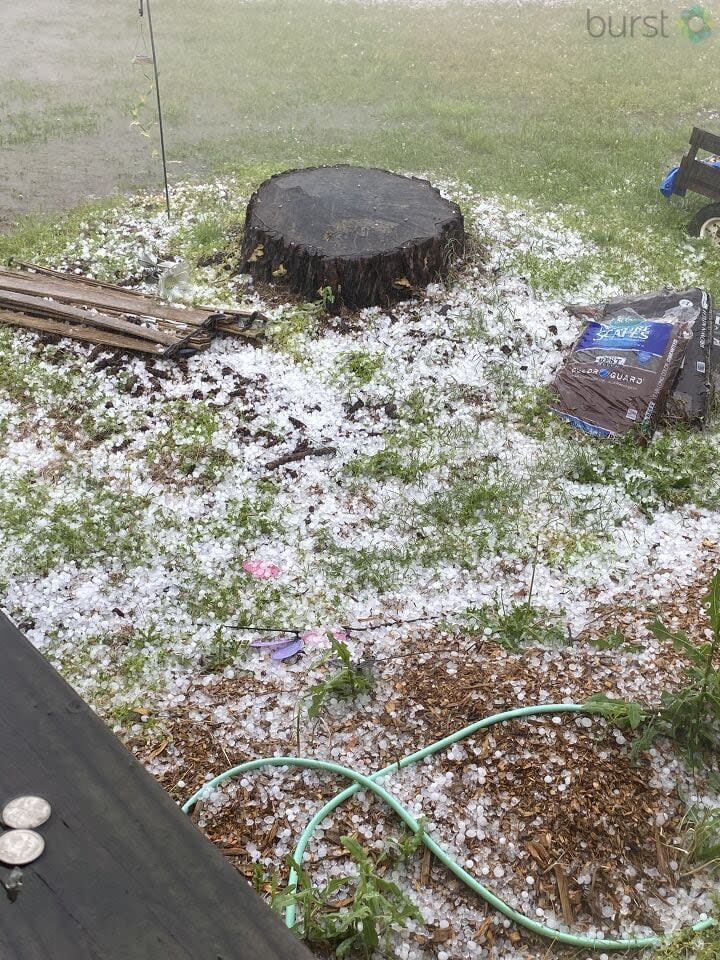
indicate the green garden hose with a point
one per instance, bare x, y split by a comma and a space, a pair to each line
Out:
360, 781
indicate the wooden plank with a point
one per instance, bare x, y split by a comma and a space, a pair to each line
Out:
89, 318
71, 290
49, 272
114, 299
91, 304
700, 178
681, 181
75, 289
75, 332
704, 140
125, 875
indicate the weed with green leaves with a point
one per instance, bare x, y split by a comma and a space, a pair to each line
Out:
690, 716
360, 366
516, 626
349, 682
615, 640
222, 652
702, 825
519, 625
359, 924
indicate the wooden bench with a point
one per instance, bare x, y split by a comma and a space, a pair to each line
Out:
125, 874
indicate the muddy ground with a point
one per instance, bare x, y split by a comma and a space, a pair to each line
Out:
77, 111
50, 53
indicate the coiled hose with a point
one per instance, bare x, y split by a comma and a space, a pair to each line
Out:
362, 782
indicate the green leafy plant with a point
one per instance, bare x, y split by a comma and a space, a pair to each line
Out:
692, 945
621, 713
362, 921
670, 471
265, 882
389, 464
703, 830
690, 716
517, 626
223, 651
327, 298
349, 682
186, 447
615, 640
291, 330
360, 366
408, 843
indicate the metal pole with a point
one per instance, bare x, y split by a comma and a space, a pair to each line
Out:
159, 104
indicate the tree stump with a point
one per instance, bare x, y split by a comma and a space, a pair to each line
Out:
369, 235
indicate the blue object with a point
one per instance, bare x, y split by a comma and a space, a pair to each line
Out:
626, 332
583, 424
668, 186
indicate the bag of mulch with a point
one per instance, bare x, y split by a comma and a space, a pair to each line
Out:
714, 366
692, 395
618, 376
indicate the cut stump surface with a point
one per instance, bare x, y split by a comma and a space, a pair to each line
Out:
370, 235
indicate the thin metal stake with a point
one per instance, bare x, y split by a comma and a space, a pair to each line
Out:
159, 103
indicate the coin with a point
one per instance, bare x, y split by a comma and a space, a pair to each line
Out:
24, 813
18, 847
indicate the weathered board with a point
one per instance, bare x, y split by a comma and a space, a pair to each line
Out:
58, 304
369, 235
125, 874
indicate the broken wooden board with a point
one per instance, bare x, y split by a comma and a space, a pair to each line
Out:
44, 300
76, 332
83, 316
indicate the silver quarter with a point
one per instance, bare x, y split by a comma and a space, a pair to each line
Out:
24, 813
18, 847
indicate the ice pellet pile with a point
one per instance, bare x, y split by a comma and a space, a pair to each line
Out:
392, 478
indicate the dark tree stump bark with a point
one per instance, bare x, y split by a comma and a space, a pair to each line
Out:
370, 235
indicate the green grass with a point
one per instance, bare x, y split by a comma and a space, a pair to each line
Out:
511, 99
229, 594
601, 125
185, 447
359, 367
85, 523
38, 238
28, 378
703, 827
688, 945
33, 126
364, 928
122, 667
515, 626
223, 651
295, 329
676, 468
389, 464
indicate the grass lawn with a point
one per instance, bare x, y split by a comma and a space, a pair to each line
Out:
514, 100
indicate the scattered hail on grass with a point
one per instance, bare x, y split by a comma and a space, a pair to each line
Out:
142, 520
